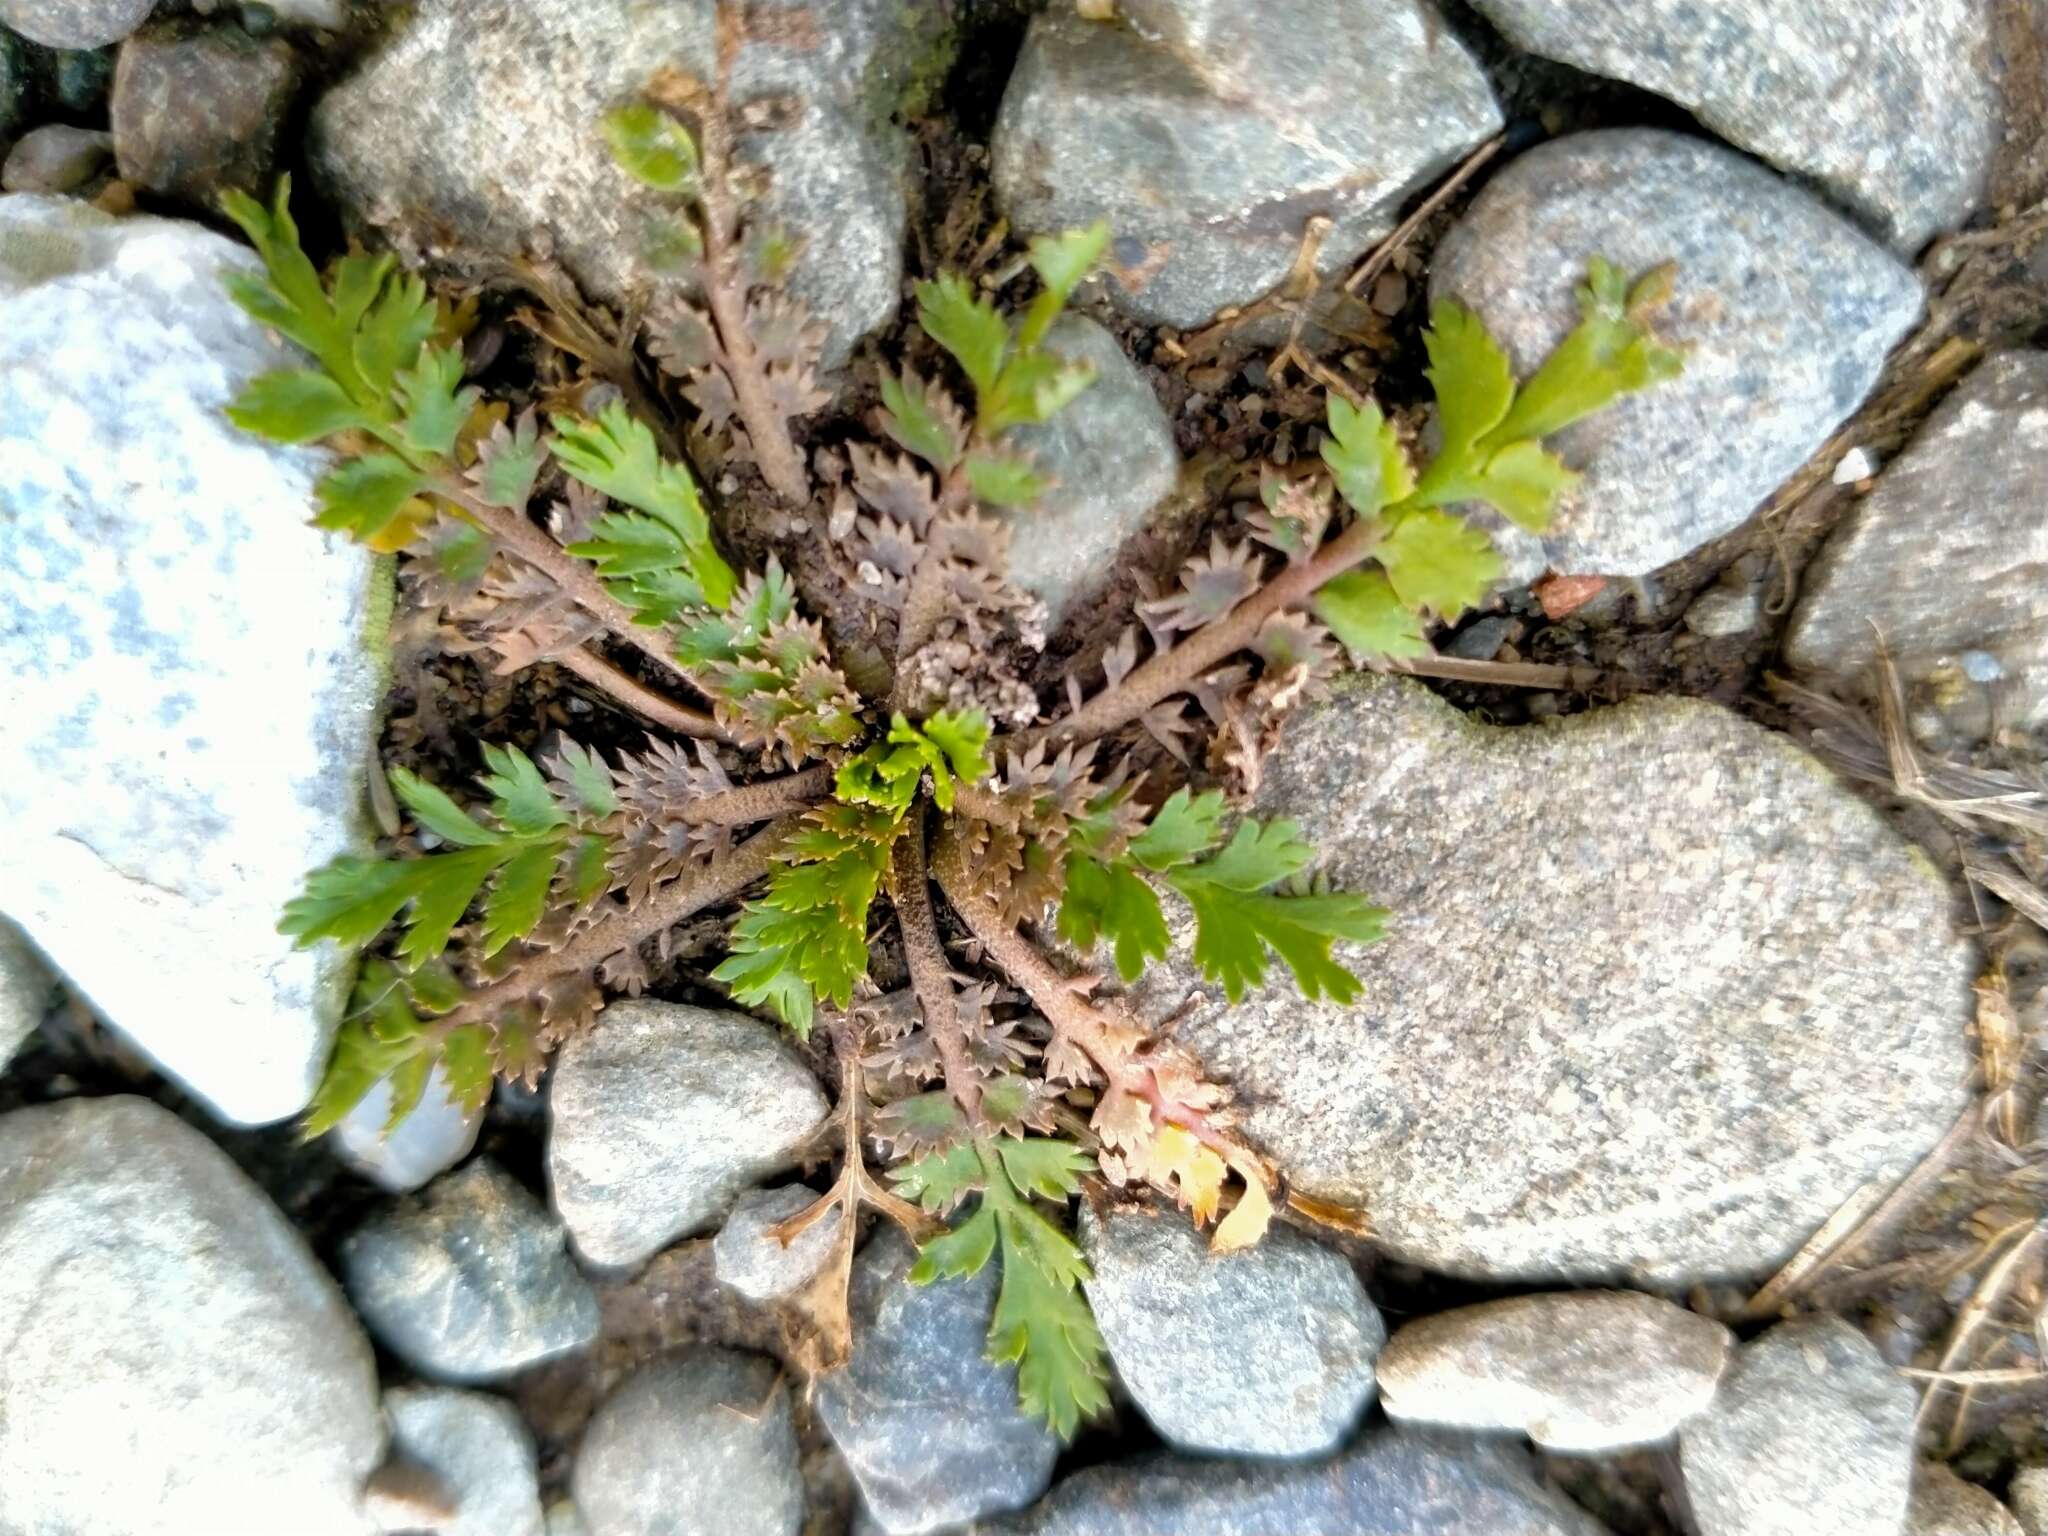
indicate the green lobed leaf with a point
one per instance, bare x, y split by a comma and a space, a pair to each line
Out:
1062, 260
295, 406
1045, 1327
466, 1064
1041, 1166
1363, 612
1005, 479
652, 147
350, 900
364, 497
1365, 457
1610, 353
519, 895
508, 464
966, 325
1473, 380
921, 420
1110, 898
435, 402
444, 886
1183, 829
1034, 386
588, 780
392, 332
520, 797
616, 454
939, 1181
1438, 563
433, 809
959, 1253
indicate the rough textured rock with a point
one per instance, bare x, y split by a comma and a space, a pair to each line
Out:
1963, 501
1268, 1352
74, 23
1577, 1371
419, 139
170, 622
1392, 1483
1658, 994
197, 109
696, 1444
55, 158
81, 79
17, 83
1112, 459
1785, 309
469, 1282
1897, 122
2029, 1498
177, 1358
661, 1116
435, 1136
747, 1255
26, 989
1812, 1431
929, 1426
1723, 612
480, 1450
1207, 131
1944, 1505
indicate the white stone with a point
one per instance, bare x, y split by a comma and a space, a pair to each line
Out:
186, 676
436, 1135
481, 1452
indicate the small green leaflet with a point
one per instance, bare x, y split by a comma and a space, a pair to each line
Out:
383, 1037
946, 745
1365, 457
1610, 353
436, 404
372, 500
966, 325
616, 454
509, 462
1438, 562
921, 418
295, 406
1005, 479
1363, 611
652, 147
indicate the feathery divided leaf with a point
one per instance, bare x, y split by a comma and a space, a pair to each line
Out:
665, 561
946, 745
1365, 457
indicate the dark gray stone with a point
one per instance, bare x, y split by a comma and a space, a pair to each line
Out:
1945, 560
177, 1359
1785, 310
417, 142
55, 158
1265, 1352
480, 1452
750, 1259
662, 1115
1578, 1372
1897, 121
74, 23
197, 109
1112, 460
81, 78
17, 84
699, 1443
1208, 131
469, 1282
1812, 1431
1659, 992
929, 1426
1392, 1483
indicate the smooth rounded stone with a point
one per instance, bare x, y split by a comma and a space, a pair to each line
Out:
1208, 131
1112, 460
481, 1452
1898, 122
1725, 612
1658, 993
1578, 1371
55, 158
1812, 1431
469, 1282
2028, 1495
74, 23
1391, 1483
416, 142
929, 1425
177, 1360
197, 109
1785, 309
662, 1115
699, 1443
748, 1257
1265, 1352
1944, 1505
135, 710
437, 1135
1963, 500
26, 989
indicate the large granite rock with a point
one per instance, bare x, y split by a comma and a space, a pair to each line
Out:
1897, 119
74, 23
478, 1450
930, 1427
1112, 460
177, 1360
26, 988
1392, 1483
1576, 1371
661, 1116
1812, 1431
1785, 309
1945, 559
469, 1282
475, 129
1208, 131
699, 1443
1265, 1352
1944, 1505
186, 670
1659, 992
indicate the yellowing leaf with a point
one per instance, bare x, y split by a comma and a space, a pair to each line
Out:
1473, 381
1362, 611
1247, 1221
1439, 563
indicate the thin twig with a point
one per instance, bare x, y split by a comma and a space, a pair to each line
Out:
1978, 1310
1500, 674
637, 697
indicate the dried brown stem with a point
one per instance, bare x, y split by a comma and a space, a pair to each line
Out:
978, 803
930, 975
706, 885
758, 802
639, 698
924, 605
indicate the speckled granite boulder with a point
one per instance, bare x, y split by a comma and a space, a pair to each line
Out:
1785, 309
1208, 131
1945, 560
74, 23
1944, 1505
1659, 992
1897, 121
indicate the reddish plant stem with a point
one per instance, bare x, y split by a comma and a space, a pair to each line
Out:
641, 700
706, 885
910, 891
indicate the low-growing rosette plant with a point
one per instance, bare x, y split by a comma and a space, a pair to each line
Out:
943, 809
